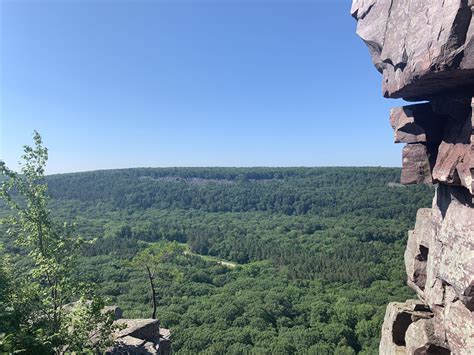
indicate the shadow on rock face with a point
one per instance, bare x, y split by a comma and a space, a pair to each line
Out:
446, 194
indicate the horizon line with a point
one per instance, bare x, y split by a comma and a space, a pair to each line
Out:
229, 167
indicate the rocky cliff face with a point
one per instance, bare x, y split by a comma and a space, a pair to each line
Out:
425, 52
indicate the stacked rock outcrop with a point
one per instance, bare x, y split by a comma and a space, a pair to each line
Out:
132, 336
425, 52
138, 336
141, 336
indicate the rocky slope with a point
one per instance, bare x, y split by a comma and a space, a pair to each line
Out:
425, 52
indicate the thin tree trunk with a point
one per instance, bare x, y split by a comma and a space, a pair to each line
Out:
40, 239
153, 294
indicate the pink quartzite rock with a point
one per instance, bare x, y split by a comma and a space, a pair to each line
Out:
417, 161
444, 127
422, 47
139, 328
420, 338
425, 51
141, 336
459, 328
416, 253
455, 159
451, 257
399, 317
417, 124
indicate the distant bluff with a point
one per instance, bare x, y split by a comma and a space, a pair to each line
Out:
425, 52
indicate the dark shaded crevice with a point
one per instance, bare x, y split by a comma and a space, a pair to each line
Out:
437, 350
364, 14
399, 328
419, 276
468, 297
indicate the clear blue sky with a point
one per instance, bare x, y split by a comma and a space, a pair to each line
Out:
113, 84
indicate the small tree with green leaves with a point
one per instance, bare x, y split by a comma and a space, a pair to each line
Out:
154, 260
36, 316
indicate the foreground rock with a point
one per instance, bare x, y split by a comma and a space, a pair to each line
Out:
425, 51
140, 336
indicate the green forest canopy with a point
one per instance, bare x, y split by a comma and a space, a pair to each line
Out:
319, 251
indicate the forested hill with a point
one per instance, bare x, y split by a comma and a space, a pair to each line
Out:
292, 191
314, 254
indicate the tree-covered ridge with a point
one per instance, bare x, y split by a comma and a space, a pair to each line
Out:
319, 251
321, 191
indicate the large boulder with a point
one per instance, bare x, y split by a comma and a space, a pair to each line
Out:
422, 48
139, 328
141, 336
398, 319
